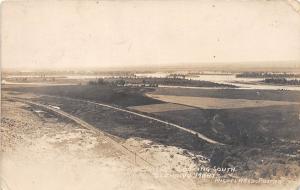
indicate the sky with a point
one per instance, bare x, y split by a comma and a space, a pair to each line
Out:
104, 34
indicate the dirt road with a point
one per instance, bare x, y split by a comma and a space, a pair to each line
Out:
201, 136
41, 150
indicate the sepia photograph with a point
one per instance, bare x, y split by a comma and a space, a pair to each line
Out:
150, 95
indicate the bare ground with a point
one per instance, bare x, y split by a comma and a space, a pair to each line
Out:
41, 151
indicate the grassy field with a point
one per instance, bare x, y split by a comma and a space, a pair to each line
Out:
121, 96
251, 135
245, 126
276, 95
248, 118
126, 125
219, 103
152, 108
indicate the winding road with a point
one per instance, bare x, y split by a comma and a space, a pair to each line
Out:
133, 156
199, 135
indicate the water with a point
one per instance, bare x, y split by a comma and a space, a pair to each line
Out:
230, 79
244, 83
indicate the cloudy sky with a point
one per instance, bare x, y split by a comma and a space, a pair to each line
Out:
89, 34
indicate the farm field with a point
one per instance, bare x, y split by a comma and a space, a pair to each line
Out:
163, 107
218, 103
250, 94
249, 134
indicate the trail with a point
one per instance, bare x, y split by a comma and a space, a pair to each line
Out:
199, 135
141, 169
133, 156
